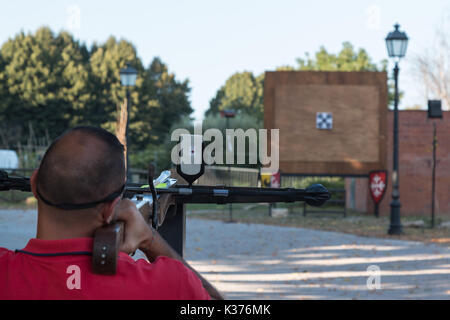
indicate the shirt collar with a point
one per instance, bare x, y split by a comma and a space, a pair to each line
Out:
57, 246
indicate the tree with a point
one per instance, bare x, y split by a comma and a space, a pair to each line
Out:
43, 78
157, 100
107, 91
434, 68
169, 95
241, 92
163, 152
54, 82
346, 60
163, 105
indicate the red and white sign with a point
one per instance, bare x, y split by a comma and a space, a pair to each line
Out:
377, 185
275, 180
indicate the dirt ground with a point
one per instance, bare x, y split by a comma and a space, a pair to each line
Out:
256, 261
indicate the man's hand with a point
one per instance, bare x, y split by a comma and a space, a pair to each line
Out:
136, 232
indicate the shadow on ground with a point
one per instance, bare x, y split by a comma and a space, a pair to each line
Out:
267, 262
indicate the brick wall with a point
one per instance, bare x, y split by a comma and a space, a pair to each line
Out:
415, 167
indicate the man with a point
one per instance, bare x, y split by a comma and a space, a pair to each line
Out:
79, 186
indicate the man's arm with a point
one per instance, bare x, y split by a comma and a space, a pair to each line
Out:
139, 235
156, 246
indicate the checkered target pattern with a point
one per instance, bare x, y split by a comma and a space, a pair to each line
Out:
324, 120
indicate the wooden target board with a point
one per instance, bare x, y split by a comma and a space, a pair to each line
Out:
331, 123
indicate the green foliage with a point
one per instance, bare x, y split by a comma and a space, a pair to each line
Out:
54, 82
304, 182
346, 60
160, 154
167, 101
242, 92
105, 88
331, 183
242, 120
43, 80
152, 154
163, 151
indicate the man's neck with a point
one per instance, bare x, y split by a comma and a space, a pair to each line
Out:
49, 228
45, 233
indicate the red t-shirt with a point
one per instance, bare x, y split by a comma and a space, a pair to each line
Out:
43, 273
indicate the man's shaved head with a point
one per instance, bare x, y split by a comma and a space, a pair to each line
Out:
83, 165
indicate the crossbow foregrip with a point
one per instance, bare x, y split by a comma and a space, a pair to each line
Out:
105, 252
108, 239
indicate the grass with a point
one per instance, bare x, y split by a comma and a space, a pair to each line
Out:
354, 223
17, 200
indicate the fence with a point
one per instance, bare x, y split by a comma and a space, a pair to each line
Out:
137, 176
230, 176
16, 196
335, 200
225, 176
334, 184
19, 172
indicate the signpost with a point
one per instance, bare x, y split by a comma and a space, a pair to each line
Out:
275, 180
271, 181
434, 112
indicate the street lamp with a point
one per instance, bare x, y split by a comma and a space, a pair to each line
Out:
128, 77
396, 43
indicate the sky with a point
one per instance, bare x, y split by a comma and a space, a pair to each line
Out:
208, 41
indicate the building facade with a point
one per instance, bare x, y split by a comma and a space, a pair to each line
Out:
415, 167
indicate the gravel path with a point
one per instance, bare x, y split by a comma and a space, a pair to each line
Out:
247, 261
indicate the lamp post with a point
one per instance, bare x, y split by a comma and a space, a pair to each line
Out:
128, 77
228, 114
396, 43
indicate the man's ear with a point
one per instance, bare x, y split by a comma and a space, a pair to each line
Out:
33, 183
108, 211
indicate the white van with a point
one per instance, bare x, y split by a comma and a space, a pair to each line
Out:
9, 159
